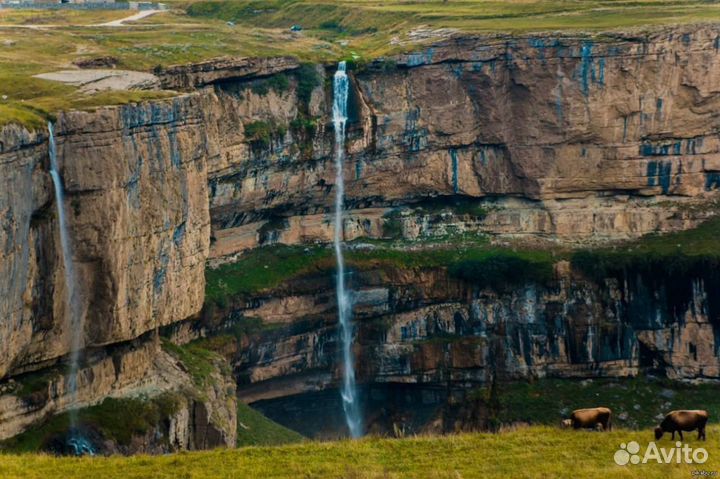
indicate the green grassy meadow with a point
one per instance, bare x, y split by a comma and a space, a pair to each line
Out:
534, 452
365, 19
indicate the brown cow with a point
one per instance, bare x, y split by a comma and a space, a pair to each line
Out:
683, 421
590, 418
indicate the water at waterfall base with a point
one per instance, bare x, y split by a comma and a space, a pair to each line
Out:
75, 441
76, 444
348, 391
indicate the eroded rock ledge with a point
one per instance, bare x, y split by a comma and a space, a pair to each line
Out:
189, 77
194, 413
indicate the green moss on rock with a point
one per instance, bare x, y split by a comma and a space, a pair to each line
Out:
503, 270
33, 387
261, 133
201, 363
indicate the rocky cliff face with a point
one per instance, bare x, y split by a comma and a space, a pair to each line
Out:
426, 327
174, 410
136, 188
24, 195
576, 140
567, 139
573, 138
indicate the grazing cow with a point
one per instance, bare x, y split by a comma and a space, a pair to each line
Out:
683, 421
591, 418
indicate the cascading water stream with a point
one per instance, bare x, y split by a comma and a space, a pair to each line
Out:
76, 442
349, 388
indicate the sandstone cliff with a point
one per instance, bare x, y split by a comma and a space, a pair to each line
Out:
136, 186
573, 138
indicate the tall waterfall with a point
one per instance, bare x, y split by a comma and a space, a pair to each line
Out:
349, 389
75, 324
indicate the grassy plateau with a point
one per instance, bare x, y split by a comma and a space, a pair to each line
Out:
534, 452
40, 41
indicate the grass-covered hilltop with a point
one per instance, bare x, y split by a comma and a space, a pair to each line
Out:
33, 42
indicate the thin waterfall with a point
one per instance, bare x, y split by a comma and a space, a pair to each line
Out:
76, 442
349, 388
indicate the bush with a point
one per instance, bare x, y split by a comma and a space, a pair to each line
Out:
303, 125
279, 83
33, 387
501, 271
260, 133
460, 206
304, 129
469, 209
392, 225
332, 25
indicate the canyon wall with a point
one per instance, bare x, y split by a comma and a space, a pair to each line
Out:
567, 139
573, 138
426, 326
425, 337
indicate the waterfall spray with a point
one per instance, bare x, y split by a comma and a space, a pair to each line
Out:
76, 442
349, 389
